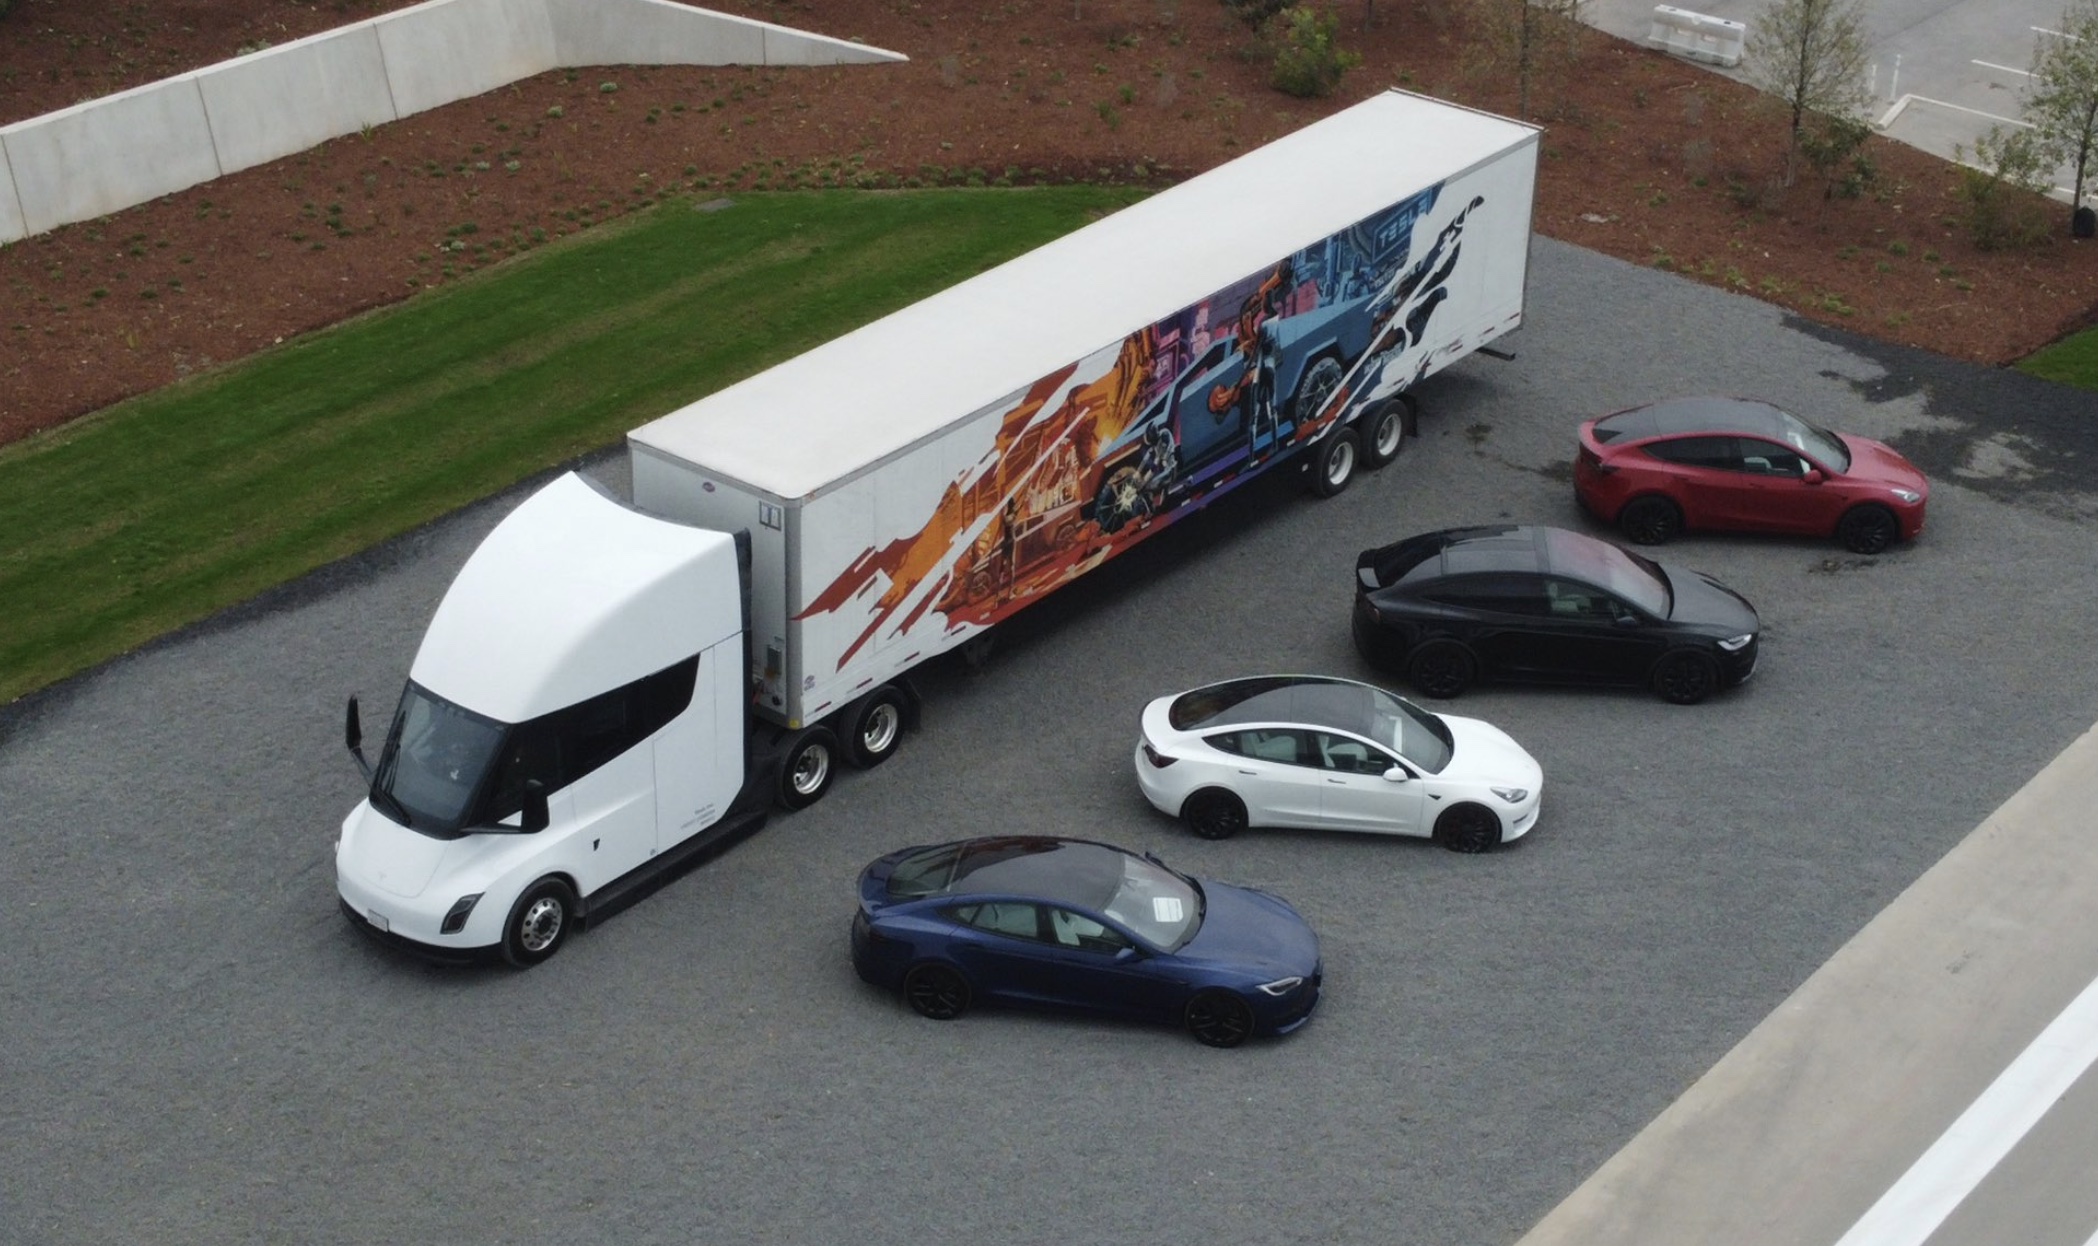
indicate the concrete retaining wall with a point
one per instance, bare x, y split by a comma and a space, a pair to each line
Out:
107, 154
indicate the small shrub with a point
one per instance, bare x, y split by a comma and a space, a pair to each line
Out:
1256, 14
555, 111
607, 88
1310, 62
1897, 247
2005, 207
1834, 147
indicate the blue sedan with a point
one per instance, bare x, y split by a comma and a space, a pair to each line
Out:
1066, 923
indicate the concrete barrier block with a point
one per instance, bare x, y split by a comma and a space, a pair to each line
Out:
338, 79
1698, 36
12, 226
659, 32
96, 158
450, 50
797, 47
651, 32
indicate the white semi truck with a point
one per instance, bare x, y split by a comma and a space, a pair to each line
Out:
608, 690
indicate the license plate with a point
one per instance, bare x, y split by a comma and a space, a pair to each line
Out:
378, 919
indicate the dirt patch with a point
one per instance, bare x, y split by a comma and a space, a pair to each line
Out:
1645, 158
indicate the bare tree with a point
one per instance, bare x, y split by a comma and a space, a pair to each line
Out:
1536, 41
2061, 101
1810, 54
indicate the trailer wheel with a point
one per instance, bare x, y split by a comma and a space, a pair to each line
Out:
807, 768
1385, 429
874, 727
1333, 463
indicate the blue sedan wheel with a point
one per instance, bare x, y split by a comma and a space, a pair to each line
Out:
936, 992
1219, 1019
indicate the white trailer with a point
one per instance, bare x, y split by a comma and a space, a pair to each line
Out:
898, 491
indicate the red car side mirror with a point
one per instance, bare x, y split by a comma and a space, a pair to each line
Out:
1812, 476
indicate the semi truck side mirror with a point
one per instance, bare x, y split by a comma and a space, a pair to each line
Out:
535, 814
353, 737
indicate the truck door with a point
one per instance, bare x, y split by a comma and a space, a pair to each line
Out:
615, 809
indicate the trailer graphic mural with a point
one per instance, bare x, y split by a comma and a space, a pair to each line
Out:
1103, 453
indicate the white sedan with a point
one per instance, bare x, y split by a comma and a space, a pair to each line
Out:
1333, 754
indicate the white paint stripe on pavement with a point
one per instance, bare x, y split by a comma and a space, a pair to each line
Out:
1913, 1208
2093, 1241
2022, 73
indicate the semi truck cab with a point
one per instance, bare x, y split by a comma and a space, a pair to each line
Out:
573, 726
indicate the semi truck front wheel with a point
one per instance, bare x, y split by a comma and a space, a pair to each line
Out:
539, 923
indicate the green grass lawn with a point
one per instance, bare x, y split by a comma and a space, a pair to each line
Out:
2071, 361
159, 511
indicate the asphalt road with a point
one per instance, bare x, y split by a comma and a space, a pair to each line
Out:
194, 1047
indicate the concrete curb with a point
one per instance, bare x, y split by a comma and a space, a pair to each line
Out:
1799, 1129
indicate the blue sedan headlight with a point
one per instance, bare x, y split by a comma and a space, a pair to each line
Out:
1281, 986
1513, 795
1735, 644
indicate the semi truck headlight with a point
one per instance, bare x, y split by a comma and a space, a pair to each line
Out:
455, 921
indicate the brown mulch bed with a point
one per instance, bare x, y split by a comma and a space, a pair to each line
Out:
1645, 158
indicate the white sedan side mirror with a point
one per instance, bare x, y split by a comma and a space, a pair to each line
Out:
1397, 774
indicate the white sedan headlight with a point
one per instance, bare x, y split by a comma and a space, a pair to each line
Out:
1735, 644
1513, 795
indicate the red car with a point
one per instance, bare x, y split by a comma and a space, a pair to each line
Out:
1737, 465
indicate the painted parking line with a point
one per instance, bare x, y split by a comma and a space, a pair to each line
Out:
1913, 1208
2022, 73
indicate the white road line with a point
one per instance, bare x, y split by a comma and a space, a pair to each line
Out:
1908, 99
2093, 1241
1913, 1207
2022, 73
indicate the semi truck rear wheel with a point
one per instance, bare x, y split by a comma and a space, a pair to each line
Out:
806, 769
874, 727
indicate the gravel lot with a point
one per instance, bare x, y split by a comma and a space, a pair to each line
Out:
199, 1049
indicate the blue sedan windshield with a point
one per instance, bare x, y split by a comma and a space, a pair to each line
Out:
1156, 904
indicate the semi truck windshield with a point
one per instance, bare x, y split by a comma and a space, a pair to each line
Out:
436, 756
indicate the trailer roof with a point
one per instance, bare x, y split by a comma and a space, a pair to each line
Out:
831, 413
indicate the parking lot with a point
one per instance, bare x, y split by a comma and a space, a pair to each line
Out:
199, 1049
